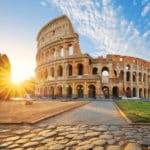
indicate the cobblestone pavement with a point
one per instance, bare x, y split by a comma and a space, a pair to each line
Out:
97, 112
78, 135
75, 137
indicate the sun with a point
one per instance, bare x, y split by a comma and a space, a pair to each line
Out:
17, 78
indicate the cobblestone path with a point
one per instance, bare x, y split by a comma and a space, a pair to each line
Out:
75, 137
97, 112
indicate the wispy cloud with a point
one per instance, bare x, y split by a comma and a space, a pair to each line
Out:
146, 10
43, 3
103, 24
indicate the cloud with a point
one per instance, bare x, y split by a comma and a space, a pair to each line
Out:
108, 30
43, 3
146, 10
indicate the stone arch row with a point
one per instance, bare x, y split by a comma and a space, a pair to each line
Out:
54, 53
59, 71
91, 91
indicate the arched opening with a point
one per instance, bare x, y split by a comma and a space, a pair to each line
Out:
80, 91
52, 71
94, 71
134, 92
51, 92
91, 91
105, 71
115, 91
149, 93
127, 67
70, 50
80, 69
45, 74
128, 76
60, 71
128, 92
144, 78
115, 73
59, 91
69, 70
140, 76
140, 92
69, 91
45, 92
144, 93
105, 90
134, 76
121, 75
62, 52
105, 75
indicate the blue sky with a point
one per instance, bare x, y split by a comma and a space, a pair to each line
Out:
104, 26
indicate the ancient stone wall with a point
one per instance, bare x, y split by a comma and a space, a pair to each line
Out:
63, 71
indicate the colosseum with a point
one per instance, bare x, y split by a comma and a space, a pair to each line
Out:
64, 71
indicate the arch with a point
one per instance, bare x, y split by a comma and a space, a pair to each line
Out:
105, 71
69, 70
80, 91
69, 91
128, 67
134, 77
128, 92
59, 71
134, 92
149, 93
140, 92
70, 50
45, 74
140, 76
115, 73
62, 52
145, 92
59, 91
51, 91
121, 75
94, 71
128, 76
105, 90
91, 91
52, 71
80, 69
115, 91
144, 77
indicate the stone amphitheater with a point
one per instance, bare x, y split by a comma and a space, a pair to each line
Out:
64, 71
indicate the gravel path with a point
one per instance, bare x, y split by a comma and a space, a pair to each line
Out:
97, 112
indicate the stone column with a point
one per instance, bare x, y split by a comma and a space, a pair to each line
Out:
66, 50
85, 90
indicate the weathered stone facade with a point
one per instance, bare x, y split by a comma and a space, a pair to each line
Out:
63, 71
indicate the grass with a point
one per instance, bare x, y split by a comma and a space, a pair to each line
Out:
136, 111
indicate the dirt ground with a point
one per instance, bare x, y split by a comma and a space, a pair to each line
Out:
24, 112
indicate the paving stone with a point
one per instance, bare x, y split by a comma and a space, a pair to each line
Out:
102, 128
79, 137
49, 134
18, 148
22, 141
51, 127
114, 128
60, 138
22, 131
118, 133
98, 148
37, 138
64, 141
133, 146
29, 136
56, 147
106, 137
145, 142
84, 143
4, 145
72, 143
111, 142
12, 138
113, 147
43, 132
30, 144
92, 134
99, 142
85, 147
121, 143
13, 146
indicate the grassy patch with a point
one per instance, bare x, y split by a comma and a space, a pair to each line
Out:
137, 111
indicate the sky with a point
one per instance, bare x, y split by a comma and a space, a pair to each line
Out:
104, 27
